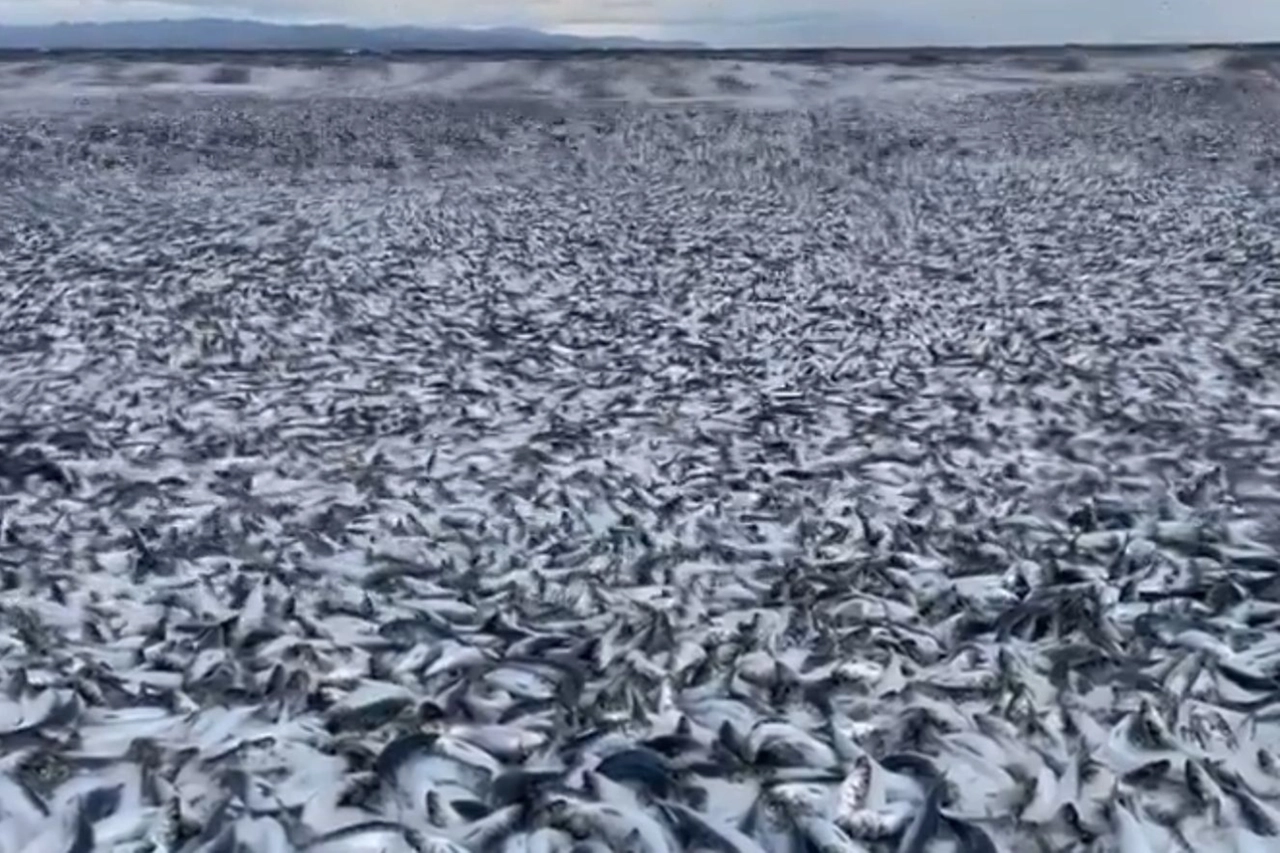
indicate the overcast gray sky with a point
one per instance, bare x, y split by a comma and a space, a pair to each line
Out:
730, 22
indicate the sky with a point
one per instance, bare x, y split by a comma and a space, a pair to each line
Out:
740, 22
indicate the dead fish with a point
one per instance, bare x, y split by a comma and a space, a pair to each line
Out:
692, 830
852, 795
924, 824
640, 766
631, 828
357, 835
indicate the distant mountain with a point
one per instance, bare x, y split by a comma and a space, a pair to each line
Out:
227, 34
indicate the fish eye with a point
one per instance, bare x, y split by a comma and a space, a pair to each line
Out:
579, 826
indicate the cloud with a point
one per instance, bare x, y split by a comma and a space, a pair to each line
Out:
742, 21
368, 12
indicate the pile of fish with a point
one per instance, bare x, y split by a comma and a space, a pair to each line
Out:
617, 478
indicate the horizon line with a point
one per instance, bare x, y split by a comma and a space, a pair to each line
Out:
657, 44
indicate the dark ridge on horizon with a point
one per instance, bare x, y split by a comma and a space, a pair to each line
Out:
911, 55
172, 37
245, 34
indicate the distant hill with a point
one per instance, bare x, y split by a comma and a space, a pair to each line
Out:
227, 34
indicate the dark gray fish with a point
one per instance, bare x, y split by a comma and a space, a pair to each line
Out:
401, 750
515, 786
694, 832
355, 830
640, 766
83, 840
370, 715
101, 803
916, 766
31, 462
470, 810
970, 838
925, 824
1148, 775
